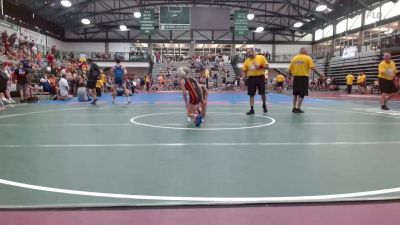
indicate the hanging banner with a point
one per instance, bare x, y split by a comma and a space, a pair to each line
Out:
32, 35
241, 23
350, 52
147, 21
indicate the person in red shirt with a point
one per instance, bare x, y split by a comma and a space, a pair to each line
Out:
50, 58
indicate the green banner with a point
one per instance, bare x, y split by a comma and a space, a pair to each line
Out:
9, 25
147, 21
241, 23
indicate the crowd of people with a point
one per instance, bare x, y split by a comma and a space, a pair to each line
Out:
27, 71
210, 70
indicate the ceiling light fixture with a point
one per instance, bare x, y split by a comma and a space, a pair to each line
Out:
137, 14
321, 8
66, 3
85, 21
298, 24
259, 29
250, 16
123, 28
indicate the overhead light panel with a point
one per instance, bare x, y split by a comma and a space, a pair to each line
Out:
85, 21
259, 29
250, 16
137, 14
123, 28
66, 3
298, 24
321, 8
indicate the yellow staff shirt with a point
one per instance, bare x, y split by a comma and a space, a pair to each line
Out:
301, 65
361, 79
280, 78
387, 71
349, 79
255, 67
103, 80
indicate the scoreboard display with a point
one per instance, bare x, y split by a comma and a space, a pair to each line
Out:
175, 18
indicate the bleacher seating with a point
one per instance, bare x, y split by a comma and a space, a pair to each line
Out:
367, 62
163, 68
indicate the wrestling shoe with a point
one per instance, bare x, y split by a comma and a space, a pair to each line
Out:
199, 120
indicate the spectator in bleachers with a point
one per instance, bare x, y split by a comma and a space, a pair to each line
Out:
21, 75
50, 58
45, 84
64, 88
81, 92
224, 81
3, 88
349, 82
4, 38
7, 95
320, 82
53, 86
12, 39
207, 76
158, 57
147, 80
313, 85
22, 42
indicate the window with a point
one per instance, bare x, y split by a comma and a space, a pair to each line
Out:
341, 26
390, 10
319, 34
354, 22
372, 16
328, 31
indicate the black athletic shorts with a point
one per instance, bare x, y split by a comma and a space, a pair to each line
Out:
300, 85
91, 84
279, 84
254, 84
3, 85
387, 86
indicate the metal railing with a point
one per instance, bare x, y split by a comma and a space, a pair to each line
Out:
96, 56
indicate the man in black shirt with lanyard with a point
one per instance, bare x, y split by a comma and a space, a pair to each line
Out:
93, 76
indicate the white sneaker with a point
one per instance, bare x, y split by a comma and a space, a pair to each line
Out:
6, 101
12, 101
129, 101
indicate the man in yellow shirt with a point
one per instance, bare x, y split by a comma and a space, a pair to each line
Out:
280, 79
349, 81
362, 81
254, 69
387, 72
300, 67
100, 83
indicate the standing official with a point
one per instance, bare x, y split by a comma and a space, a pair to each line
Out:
254, 69
387, 72
300, 67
